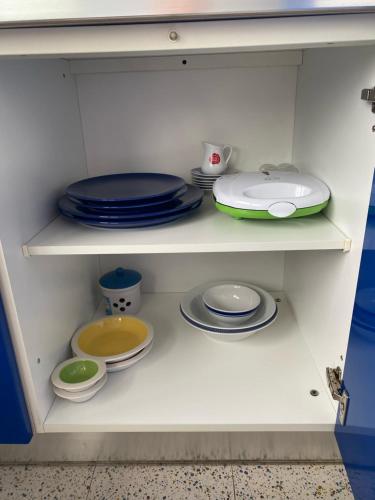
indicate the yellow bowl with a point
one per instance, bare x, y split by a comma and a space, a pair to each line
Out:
112, 338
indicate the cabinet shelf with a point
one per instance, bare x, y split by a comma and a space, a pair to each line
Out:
189, 382
207, 230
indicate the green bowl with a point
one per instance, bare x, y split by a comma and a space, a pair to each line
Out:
79, 371
78, 374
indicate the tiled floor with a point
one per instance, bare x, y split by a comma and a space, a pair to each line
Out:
175, 482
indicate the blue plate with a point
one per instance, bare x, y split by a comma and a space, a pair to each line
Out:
192, 195
130, 187
122, 207
135, 223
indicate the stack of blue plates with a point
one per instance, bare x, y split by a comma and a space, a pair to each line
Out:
130, 200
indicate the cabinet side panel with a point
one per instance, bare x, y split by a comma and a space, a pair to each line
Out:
41, 152
156, 121
334, 141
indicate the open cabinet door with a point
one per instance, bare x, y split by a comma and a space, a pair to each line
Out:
355, 433
15, 425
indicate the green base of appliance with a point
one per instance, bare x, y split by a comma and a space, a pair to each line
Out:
241, 213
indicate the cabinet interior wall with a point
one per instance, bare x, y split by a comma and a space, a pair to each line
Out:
57, 127
156, 120
334, 140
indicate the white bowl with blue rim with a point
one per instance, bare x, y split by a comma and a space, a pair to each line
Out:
121, 289
231, 303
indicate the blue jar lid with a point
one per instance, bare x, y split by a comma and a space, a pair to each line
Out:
120, 278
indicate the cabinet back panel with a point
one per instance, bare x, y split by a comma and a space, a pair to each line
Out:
334, 140
179, 273
155, 121
41, 152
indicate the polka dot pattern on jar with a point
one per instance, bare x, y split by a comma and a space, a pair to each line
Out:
121, 289
122, 304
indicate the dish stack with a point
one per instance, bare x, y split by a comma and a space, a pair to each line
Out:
79, 379
131, 200
228, 311
117, 341
206, 181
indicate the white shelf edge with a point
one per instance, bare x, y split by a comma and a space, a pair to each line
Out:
166, 249
51, 428
65, 238
347, 245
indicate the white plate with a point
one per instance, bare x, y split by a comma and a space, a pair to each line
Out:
80, 397
196, 179
196, 314
198, 172
211, 181
206, 177
202, 184
199, 183
123, 365
234, 337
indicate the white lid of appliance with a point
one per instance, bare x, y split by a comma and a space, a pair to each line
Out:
285, 191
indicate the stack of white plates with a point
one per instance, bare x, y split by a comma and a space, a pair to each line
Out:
119, 341
206, 181
79, 379
196, 314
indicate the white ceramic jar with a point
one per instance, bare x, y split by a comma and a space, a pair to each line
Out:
121, 289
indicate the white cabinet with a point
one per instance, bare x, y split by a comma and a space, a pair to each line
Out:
75, 106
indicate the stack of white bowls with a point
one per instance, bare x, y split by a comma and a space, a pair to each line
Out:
206, 181
228, 311
79, 379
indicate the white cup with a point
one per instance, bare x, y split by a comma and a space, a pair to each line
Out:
215, 161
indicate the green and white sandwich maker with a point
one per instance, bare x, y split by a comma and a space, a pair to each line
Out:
270, 195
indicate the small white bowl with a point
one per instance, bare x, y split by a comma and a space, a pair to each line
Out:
235, 319
82, 396
231, 303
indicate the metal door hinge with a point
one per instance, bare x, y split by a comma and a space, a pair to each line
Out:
369, 96
338, 391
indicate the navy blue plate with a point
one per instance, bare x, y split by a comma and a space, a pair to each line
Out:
192, 195
121, 207
125, 188
135, 223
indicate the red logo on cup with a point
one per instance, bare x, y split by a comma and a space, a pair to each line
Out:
214, 159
